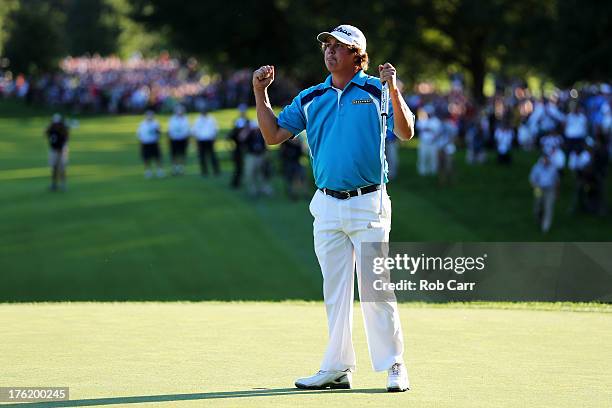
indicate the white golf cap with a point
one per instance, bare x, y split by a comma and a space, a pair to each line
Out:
346, 34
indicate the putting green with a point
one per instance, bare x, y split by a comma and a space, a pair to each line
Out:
232, 354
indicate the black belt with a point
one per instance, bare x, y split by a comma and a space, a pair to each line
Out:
345, 195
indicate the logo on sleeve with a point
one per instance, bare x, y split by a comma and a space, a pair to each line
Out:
361, 101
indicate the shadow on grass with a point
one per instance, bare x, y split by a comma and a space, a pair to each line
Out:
257, 392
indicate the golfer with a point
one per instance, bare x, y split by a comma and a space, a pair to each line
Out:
57, 134
341, 117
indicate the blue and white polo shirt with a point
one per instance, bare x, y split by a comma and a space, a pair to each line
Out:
343, 131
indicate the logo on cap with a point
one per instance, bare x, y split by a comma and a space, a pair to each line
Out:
342, 30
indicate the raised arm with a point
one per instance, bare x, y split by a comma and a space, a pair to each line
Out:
403, 120
272, 133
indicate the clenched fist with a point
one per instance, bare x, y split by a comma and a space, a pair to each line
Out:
388, 75
263, 77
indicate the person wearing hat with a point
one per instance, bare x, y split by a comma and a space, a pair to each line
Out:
148, 134
57, 135
178, 133
342, 120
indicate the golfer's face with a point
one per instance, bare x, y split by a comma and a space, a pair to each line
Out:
338, 56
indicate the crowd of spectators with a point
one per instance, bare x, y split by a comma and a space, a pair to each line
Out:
111, 85
570, 128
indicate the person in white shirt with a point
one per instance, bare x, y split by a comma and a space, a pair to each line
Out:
545, 117
544, 179
606, 126
205, 130
429, 128
503, 139
576, 128
148, 134
552, 146
178, 132
525, 136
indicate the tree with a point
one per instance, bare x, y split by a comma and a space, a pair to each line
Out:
92, 26
6, 7
575, 42
34, 37
471, 33
231, 34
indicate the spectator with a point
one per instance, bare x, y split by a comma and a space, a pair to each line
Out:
57, 135
601, 160
239, 135
544, 179
291, 152
255, 161
446, 150
178, 133
581, 163
606, 128
149, 132
475, 141
576, 128
205, 130
503, 140
552, 146
525, 136
546, 117
429, 128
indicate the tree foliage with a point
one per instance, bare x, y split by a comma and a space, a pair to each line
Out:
34, 37
576, 42
92, 26
567, 40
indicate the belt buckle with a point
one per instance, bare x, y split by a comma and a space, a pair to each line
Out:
345, 195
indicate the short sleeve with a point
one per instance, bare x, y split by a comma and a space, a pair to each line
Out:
292, 117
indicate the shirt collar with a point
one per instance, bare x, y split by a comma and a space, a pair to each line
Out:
359, 79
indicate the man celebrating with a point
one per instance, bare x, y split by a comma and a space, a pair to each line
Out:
341, 117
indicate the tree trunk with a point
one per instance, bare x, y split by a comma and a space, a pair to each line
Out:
477, 67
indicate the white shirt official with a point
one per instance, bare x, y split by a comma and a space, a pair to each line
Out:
205, 128
148, 131
178, 128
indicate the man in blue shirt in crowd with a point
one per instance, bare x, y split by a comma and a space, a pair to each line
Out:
342, 120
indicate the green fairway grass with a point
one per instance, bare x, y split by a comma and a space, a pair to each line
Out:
248, 354
116, 236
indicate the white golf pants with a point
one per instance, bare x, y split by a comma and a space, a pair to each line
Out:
339, 228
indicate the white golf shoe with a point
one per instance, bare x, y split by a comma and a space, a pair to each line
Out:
397, 380
326, 379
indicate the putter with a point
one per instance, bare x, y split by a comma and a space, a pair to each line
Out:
384, 113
